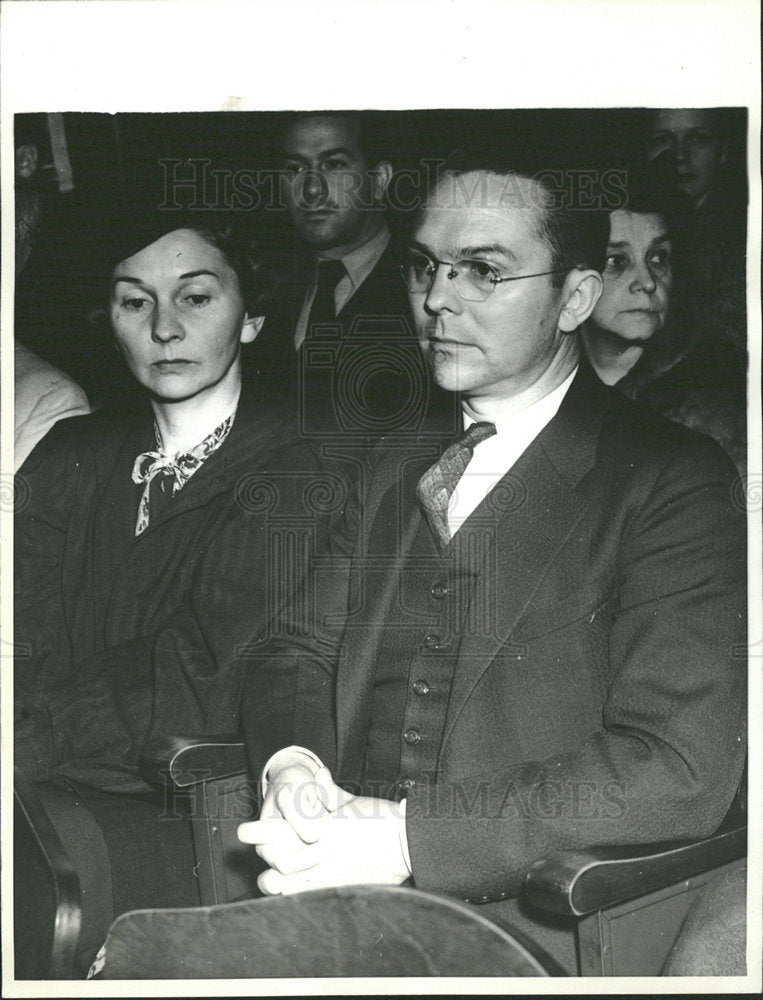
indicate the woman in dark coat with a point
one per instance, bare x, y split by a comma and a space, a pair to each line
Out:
643, 335
152, 546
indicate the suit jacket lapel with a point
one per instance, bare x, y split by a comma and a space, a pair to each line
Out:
546, 498
542, 499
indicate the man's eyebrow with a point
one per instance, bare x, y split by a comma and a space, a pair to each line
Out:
459, 253
496, 248
334, 151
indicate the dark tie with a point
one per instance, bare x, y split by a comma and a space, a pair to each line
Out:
328, 274
436, 486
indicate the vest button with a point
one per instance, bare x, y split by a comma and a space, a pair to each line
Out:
421, 687
438, 591
432, 641
411, 736
406, 784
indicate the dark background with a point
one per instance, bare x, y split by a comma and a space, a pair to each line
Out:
121, 163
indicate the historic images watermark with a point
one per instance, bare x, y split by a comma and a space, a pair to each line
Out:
196, 184
547, 799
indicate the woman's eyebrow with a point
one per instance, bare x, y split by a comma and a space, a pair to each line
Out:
128, 278
196, 274
181, 277
626, 244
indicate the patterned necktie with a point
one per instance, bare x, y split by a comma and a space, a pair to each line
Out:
323, 310
436, 486
176, 469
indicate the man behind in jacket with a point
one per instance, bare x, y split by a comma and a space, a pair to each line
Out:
534, 646
346, 337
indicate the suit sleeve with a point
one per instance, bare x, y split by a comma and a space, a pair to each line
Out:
289, 687
668, 756
46, 493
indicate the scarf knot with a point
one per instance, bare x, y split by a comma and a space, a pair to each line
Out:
175, 469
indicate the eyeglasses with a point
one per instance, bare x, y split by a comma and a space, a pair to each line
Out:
474, 280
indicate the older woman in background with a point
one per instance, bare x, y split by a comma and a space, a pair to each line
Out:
642, 335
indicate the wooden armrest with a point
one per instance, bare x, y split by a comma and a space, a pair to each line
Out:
582, 882
47, 901
191, 760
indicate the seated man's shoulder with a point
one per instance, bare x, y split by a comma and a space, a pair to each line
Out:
43, 393
70, 439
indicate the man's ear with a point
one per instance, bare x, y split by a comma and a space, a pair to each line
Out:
250, 328
26, 160
582, 290
382, 175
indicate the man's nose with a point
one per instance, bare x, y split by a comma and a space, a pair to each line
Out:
682, 151
165, 326
313, 187
442, 292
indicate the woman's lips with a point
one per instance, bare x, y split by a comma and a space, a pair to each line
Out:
174, 365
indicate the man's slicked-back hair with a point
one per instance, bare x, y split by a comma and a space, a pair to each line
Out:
371, 131
576, 235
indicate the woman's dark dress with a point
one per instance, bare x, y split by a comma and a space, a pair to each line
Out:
121, 638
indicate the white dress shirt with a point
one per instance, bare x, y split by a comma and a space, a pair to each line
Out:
494, 456
358, 264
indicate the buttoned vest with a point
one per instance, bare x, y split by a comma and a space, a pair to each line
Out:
437, 599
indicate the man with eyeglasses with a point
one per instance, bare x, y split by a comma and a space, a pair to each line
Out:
531, 646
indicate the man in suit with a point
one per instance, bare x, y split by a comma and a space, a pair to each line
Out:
534, 642
345, 337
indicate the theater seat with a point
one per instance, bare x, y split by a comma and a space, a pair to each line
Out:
81, 858
352, 931
629, 904
46, 913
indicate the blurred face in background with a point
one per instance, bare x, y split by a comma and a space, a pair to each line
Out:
688, 138
637, 276
332, 194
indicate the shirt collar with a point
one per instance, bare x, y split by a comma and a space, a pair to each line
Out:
360, 262
540, 412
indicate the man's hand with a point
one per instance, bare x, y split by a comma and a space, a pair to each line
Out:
315, 835
292, 789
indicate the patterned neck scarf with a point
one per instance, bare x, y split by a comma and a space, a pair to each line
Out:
175, 470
